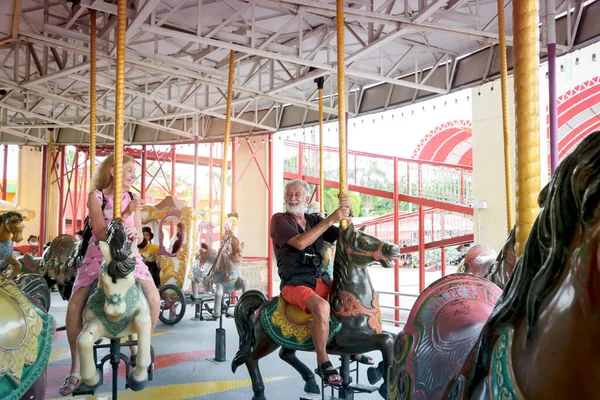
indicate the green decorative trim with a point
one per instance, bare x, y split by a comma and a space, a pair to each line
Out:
291, 342
500, 374
96, 302
32, 372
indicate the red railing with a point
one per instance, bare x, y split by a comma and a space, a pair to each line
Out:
421, 179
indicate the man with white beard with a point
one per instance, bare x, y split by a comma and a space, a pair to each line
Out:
298, 244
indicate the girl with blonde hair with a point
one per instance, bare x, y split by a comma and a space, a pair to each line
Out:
100, 206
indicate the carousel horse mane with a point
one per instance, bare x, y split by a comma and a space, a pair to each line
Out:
567, 203
233, 243
121, 263
11, 217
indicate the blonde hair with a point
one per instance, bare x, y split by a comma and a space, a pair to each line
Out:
102, 177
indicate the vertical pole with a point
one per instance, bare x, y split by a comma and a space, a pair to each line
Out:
443, 260
270, 212
119, 106
84, 191
226, 141
5, 172
92, 92
42, 239
173, 181
173, 169
75, 193
341, 73
320, 81
552, 106
194, 193
143, 172
421, 249
396, 240
61, 186
508, 178
234, 154
49, 173
526, 65
300, 159
210, 178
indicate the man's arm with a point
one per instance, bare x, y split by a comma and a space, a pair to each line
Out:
305, 239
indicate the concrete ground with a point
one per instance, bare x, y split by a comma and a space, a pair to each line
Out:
185, 366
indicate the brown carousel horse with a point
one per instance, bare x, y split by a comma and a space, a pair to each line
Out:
482, 260
11, 230
541, 339
354, 327
61, 261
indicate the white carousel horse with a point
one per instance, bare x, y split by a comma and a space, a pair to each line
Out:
117, 307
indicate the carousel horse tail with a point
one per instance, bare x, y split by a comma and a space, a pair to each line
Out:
243, 316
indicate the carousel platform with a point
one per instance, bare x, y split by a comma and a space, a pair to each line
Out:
185, 367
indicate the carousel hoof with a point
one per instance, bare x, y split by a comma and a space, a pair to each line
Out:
261, 397
311, 386
374, 374
95, 381
136, 386
383, 390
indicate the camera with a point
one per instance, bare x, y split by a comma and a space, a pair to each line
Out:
311, 259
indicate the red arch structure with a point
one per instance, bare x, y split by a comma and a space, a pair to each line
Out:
449, 143
578, 116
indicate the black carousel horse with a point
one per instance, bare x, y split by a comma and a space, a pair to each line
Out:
355, 324
540, 341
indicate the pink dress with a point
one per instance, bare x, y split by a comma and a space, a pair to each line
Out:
90, 269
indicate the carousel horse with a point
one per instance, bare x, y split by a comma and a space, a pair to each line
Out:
11, 230
25, 337
116, 307
61, 263
354, 326
202, 262
481, 260
224, 275
540, 340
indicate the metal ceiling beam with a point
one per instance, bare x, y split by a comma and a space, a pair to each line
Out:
282, 57
140, 18
56, 75
22, 135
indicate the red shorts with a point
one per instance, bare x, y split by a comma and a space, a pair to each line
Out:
299, 295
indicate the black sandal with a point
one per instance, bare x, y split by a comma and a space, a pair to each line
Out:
363, 359
326, 373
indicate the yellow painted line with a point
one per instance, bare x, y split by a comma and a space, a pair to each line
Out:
62, 353
178, 392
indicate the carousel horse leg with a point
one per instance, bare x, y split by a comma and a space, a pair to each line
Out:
264, 347
85, 345
289, 356
218, 300
194, 295
133, 349
138, 379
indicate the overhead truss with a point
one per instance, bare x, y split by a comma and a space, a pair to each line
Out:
397, 52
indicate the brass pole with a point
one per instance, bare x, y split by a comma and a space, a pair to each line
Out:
226, 140
341, 99
49, 191
119, 106
508, 178
526, 65
92, 92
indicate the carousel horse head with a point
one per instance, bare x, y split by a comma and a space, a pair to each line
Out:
57, 261
230, 254
361, 249
552, 300
13, 222
116, 277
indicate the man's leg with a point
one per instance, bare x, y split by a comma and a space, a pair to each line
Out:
319, 308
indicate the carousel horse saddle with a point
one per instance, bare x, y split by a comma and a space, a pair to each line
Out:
25, 341
441, 330
289, 326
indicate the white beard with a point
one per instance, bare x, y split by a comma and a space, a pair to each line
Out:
299, 209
